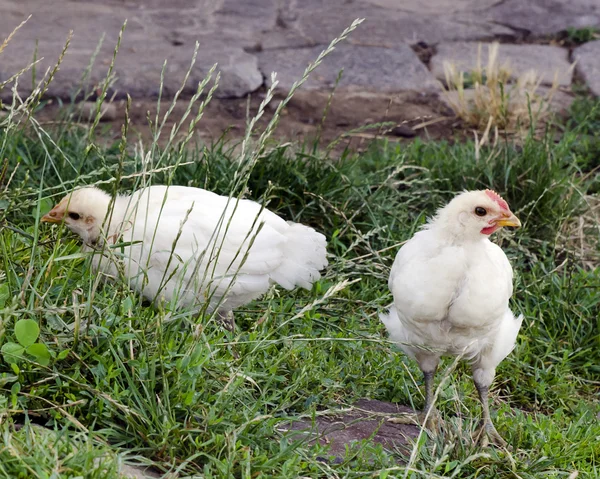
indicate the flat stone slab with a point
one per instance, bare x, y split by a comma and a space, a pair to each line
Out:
250, 37
365, 68
135, 472
146, 45
546, 60
587, 57
367, 420
318, 22
544, 17
435, 6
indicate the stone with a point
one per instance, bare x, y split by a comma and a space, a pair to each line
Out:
147, 42
137, 69
545, 60
244, 21
264, 10
402, 131
545, 17
322, 22
368, 68
587, 57
234, 32
367, 420
136, 472
435, 6
561, 99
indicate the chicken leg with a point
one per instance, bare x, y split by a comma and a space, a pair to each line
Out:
432, 421
486, 432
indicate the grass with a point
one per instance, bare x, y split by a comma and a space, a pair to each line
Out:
128, 381
579, 36
486, 98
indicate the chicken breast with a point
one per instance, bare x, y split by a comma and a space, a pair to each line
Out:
451, 287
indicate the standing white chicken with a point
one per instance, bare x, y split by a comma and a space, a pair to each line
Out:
192, 247
451, 287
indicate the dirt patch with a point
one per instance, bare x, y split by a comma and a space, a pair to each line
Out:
351, 117
367, 420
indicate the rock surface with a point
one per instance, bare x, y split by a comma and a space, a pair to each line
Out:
544, 17
138, 65
367, 420
136, 472
249, 38
546, 60
364, 68
588, 64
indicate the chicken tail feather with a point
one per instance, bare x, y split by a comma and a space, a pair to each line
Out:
304, 256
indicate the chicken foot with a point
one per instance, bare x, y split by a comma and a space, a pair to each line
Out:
486, 432
429, 417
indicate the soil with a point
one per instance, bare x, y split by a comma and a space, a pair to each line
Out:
354, 117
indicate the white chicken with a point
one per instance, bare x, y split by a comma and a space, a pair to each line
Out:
451, 286
192, 247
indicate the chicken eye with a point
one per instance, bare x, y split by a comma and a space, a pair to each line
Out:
73, 216
479, 211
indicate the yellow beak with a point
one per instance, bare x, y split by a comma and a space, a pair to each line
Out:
52, 217
509, 220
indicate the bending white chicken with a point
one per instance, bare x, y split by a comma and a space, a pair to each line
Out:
451, 287
192, 247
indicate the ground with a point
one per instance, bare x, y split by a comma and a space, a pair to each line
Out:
305, 385
355, 118
391, 64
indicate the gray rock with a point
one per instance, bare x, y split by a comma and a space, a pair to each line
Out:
243, 22
560, 101
230, 32
388, 27
137, 69
368, 68
368, 420
546, 60
144, 48
435, 6
587, 57
543, 17
136, 472
402, 131
242, 10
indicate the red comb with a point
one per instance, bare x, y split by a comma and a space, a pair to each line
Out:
497, 198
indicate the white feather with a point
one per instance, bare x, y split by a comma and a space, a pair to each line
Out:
451, 289
191, 247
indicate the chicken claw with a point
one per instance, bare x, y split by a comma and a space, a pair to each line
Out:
486, 434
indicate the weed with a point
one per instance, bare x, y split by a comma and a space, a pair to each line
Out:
579, 36
486, 99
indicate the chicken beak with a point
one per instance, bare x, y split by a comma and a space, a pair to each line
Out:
53, 216
509, 219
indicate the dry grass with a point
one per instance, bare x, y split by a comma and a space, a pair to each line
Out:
494, 101
581, 235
